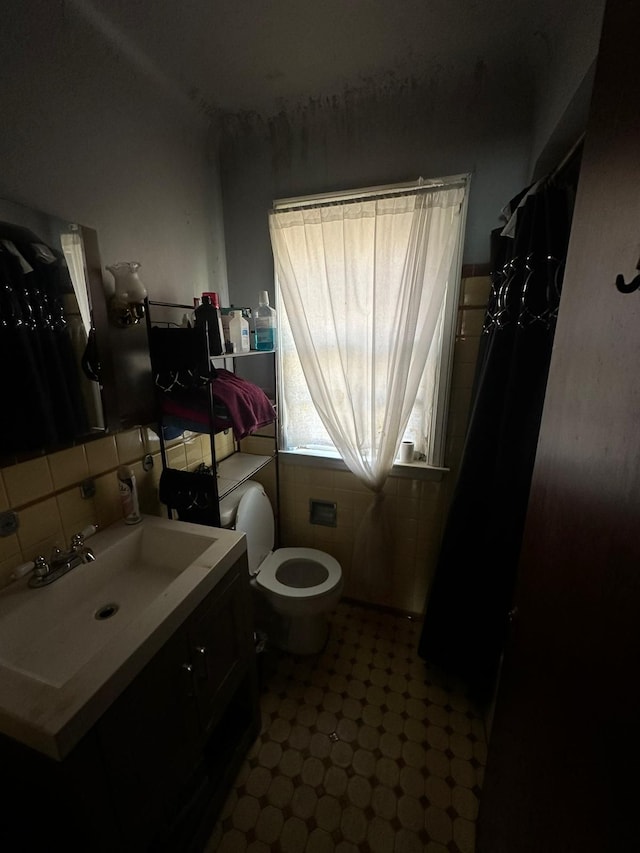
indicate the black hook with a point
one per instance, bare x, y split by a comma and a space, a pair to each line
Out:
623, 287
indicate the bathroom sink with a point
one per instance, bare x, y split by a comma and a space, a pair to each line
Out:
49, 633
63, 643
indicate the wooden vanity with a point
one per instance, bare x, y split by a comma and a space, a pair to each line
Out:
153, 770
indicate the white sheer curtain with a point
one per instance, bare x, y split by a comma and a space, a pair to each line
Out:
362, 286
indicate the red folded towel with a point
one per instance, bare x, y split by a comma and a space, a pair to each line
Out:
247, 406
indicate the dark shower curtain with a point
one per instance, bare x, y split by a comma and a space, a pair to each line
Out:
467, 614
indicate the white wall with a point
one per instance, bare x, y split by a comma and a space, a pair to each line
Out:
562, 90
461, 119
93, 133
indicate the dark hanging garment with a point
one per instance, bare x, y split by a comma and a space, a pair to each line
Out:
43, 402
467, 614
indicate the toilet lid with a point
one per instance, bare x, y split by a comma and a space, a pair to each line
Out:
251, 508
313, 573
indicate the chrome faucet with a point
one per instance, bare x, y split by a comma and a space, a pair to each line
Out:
60, 562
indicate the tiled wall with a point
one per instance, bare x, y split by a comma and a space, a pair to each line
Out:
45, 493
416, 508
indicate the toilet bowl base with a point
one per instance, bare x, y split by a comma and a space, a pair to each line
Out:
303, 635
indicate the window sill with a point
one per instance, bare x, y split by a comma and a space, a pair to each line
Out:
333, 462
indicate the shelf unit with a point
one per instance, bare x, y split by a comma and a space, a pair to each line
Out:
177, 351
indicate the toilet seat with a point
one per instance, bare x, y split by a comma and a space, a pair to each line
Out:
295, 588
268, 580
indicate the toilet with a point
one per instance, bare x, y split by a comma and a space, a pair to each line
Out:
294, 588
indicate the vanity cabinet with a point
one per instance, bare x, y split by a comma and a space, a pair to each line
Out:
153, 772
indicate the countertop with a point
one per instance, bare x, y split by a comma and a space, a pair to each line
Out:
52, 714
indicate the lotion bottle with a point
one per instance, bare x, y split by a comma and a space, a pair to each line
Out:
128, 495
239, 332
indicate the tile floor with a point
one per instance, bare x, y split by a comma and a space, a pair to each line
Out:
362, 750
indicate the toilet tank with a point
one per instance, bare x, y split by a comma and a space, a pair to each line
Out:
248, 509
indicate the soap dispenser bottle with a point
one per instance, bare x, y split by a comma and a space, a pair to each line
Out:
265, 323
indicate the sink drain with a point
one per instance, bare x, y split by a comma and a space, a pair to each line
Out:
106, 611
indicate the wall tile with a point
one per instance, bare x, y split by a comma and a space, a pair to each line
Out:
7, 567
459, 411
391, 486
28, 481
9, 547
466, 349
38, 523
75, 512
224, 443
476, 290
130, 446
344, 502
320, 493
408, 508
471, 322
408, 488
463, 374
107, 499
177, 457
193, 451
150, 502
68, 466
102, 455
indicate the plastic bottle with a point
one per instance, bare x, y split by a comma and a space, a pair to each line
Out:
207, 313
128, 495
265, 323
239, 332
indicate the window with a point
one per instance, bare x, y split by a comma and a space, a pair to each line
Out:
367, 289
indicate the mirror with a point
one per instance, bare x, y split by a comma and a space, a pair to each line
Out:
52, 396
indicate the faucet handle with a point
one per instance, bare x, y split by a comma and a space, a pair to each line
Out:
77, 540
40, 567
56, 553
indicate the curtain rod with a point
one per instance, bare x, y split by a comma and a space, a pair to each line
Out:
382, 191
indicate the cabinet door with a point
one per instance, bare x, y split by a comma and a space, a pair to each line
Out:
151, 741
221, 644
564, 752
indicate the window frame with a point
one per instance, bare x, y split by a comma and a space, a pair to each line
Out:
444, 374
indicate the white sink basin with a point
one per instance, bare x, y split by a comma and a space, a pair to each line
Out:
62, 644
50, 632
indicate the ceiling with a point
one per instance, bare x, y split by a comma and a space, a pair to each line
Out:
263, 55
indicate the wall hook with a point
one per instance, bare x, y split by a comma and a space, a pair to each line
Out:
623, 287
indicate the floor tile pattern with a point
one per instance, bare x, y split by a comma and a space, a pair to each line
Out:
361, 750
